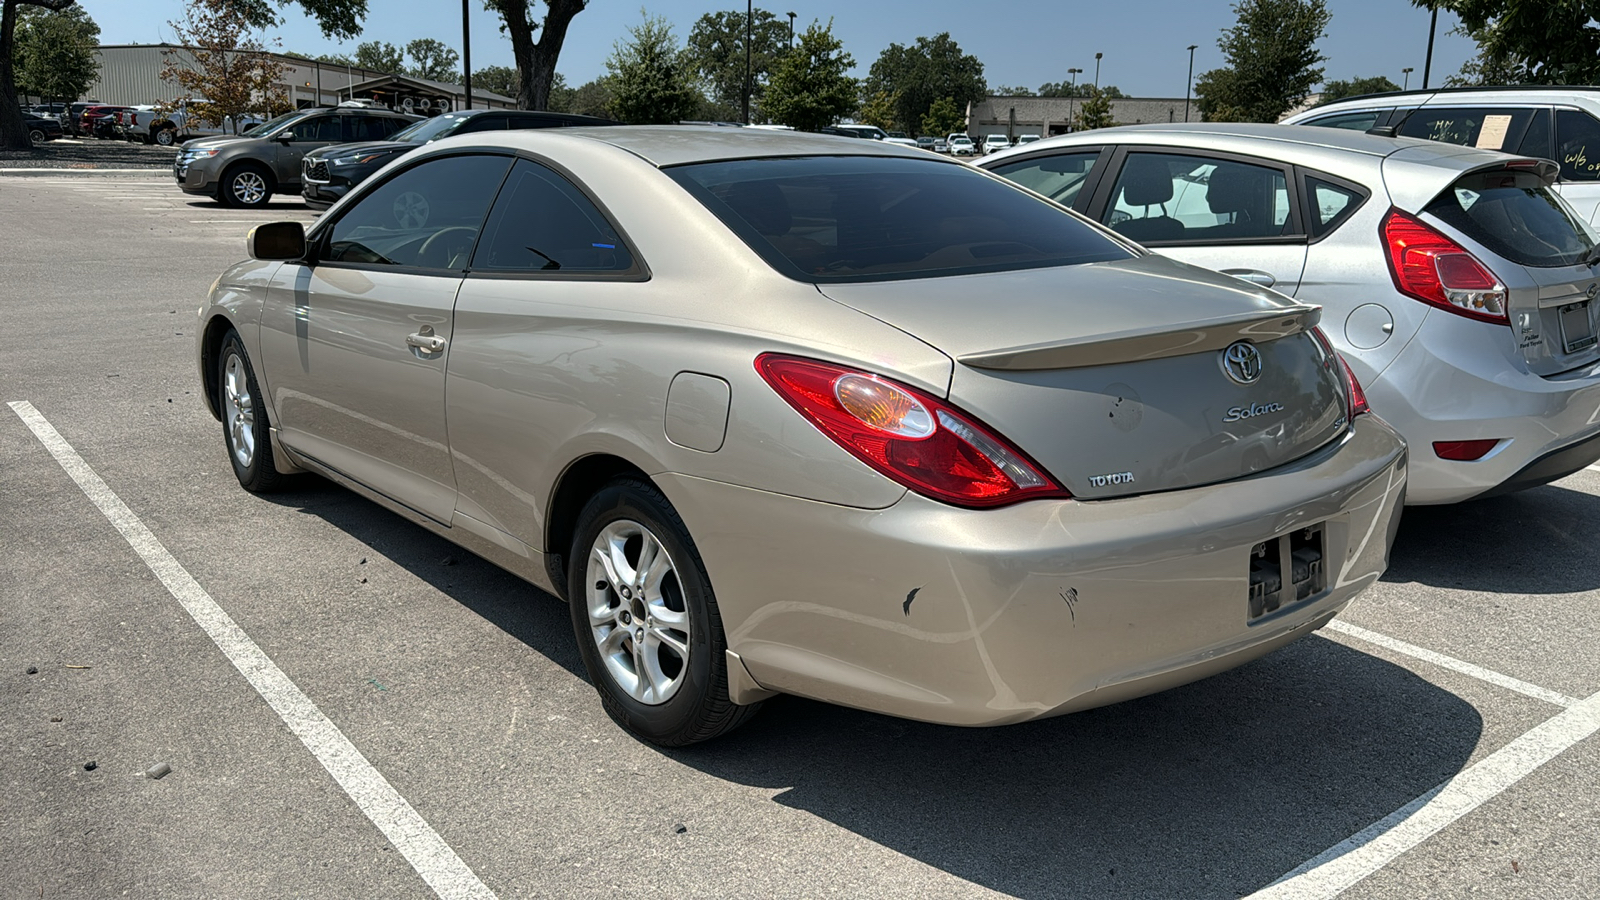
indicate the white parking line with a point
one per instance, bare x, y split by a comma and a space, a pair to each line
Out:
1595, 467
1344, 864
427, 852
1455, 665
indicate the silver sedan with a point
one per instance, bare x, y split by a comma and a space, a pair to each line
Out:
775, 414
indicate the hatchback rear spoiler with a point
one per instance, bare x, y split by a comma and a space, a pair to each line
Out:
1153, 342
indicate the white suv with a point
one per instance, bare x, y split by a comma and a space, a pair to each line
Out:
996, 142
1557, 123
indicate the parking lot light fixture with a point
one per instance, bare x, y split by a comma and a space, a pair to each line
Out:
1072, 94
1188, 87
1097, 71
791, 29
1406, 85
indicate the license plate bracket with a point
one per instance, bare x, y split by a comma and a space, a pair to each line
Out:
1577, 328
1286, 571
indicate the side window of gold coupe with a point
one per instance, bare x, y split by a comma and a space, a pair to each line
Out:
426, 217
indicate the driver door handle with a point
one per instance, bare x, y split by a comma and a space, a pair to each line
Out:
1254, 276
426, 341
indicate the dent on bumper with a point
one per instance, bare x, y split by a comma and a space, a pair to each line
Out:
990, 617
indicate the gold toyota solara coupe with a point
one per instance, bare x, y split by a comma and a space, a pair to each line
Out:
779, 412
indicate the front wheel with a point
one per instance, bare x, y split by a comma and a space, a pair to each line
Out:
245, 431
166, 137
246, 187
647, 623
36, 136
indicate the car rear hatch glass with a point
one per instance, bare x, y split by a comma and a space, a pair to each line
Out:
1114, 376
1515, 215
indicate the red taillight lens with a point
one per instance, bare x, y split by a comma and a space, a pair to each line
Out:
1355, 399
1438, 271
1463, 451
914, 438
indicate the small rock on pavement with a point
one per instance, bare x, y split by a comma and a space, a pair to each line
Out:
448, 561
158, 771
33, 670
680, 828
90, 766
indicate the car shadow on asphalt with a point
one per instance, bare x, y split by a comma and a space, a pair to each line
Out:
1214, 789
1492, 544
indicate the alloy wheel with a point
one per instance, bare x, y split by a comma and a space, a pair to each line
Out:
637, 613
239, 411
249, 188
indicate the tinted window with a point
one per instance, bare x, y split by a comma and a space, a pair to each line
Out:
367, 128
318, 128
1165, 198
1537, 141
428, 215
839, 219
1330, 204
1577, 145
1355, 121
1059, 177
1517, 217
483, 123
1487, 128
542, 223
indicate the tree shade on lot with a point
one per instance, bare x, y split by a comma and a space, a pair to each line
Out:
225, 63
1528, 41
809, 87
55, 58
536, 60
918, 75
13, 130
1355, 87
716, 54
650, 77
1272, 61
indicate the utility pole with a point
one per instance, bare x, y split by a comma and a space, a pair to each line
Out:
749, 15
1097, 72
1072, 94
791, 29
1427, 65
1407, 73
1188, 86
466, 53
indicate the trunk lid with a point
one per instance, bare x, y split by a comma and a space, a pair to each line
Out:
1112, 375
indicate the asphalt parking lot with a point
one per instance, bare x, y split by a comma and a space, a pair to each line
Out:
352, 707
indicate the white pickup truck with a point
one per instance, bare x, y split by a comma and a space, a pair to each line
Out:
176, 125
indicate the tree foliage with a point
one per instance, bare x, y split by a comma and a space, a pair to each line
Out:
536, 60
380, 56
1272, 61
1355, 87
1079, 89
929, 70
433, 60
13, 130
226, 70
503, 80
55, 52
878, 110
809, 87
591, 98
651, 81
943, 118
338, 19
1528, 41
1008, 90
1094, 112
716, 53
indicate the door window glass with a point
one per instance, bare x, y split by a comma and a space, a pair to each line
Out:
1330, 204
428, 215
542, 223
367, 128
1577, 145
1487, 128
318, 128
1354, 121
1058, 177
1174, 199
1537, 141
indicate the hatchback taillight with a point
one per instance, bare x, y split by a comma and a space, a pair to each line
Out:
1438, 271
913, 438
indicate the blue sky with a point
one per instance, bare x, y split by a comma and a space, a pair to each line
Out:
1021, 42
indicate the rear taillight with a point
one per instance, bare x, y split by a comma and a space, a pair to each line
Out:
1355, 399
909, 436
1438, 271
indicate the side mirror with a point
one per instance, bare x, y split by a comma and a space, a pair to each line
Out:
277, 241
285, 136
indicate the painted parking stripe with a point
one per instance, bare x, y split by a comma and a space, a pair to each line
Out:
1595, 467
1453, 664
1348, 862
405, 828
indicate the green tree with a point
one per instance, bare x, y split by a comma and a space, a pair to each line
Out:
434, 61
650, 78
918, 75
878, 110
1007, 90
1272, 61
13, 131
943, 117
716, 53
55, 58
809, 87
1094, 112
339, 19
1529, 41
501, 80
225, 63
592, 98
536, 60
1355, 87
1079, 89
380, 56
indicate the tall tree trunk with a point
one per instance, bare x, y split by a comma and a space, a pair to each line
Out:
536, 62
13, 130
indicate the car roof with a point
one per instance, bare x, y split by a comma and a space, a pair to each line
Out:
671, 145
1246, 137
1519, 93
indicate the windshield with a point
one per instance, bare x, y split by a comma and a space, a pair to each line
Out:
274, 124
1516, 216
832, 219
429, 129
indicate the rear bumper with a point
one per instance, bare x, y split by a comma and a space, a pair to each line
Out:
989, 617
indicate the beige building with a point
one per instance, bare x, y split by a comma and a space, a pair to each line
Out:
1046, 116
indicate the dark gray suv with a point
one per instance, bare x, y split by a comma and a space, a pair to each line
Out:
247, 169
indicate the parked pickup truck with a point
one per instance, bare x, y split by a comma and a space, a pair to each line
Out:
173, 127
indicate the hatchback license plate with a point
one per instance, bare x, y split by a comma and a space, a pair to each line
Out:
1577, 329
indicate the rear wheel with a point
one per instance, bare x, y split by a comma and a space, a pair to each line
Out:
244, 419
246, 186
647, 623
36, 135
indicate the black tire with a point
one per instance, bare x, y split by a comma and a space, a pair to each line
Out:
166, 137
244, 420
699, 710
245, 186
37, 136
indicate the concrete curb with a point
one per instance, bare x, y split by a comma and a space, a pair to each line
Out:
92, 173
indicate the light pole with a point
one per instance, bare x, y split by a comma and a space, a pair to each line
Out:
1188, 86
1097, 72
749, 16
791, 29
1072, 94
466, 54
1407, 73
1427, 64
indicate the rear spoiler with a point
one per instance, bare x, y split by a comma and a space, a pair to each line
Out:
1416, 175
1151, 343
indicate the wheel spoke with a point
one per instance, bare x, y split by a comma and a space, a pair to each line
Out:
611, 642
600, 554
669, 637
653, 572
668, 617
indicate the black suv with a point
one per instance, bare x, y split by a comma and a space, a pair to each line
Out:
329, 173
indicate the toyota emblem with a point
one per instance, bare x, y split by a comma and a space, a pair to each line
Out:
1242, 362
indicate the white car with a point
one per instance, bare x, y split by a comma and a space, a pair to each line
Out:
1026, 139
1457, 283
994, 143
961, 145
1548, 122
